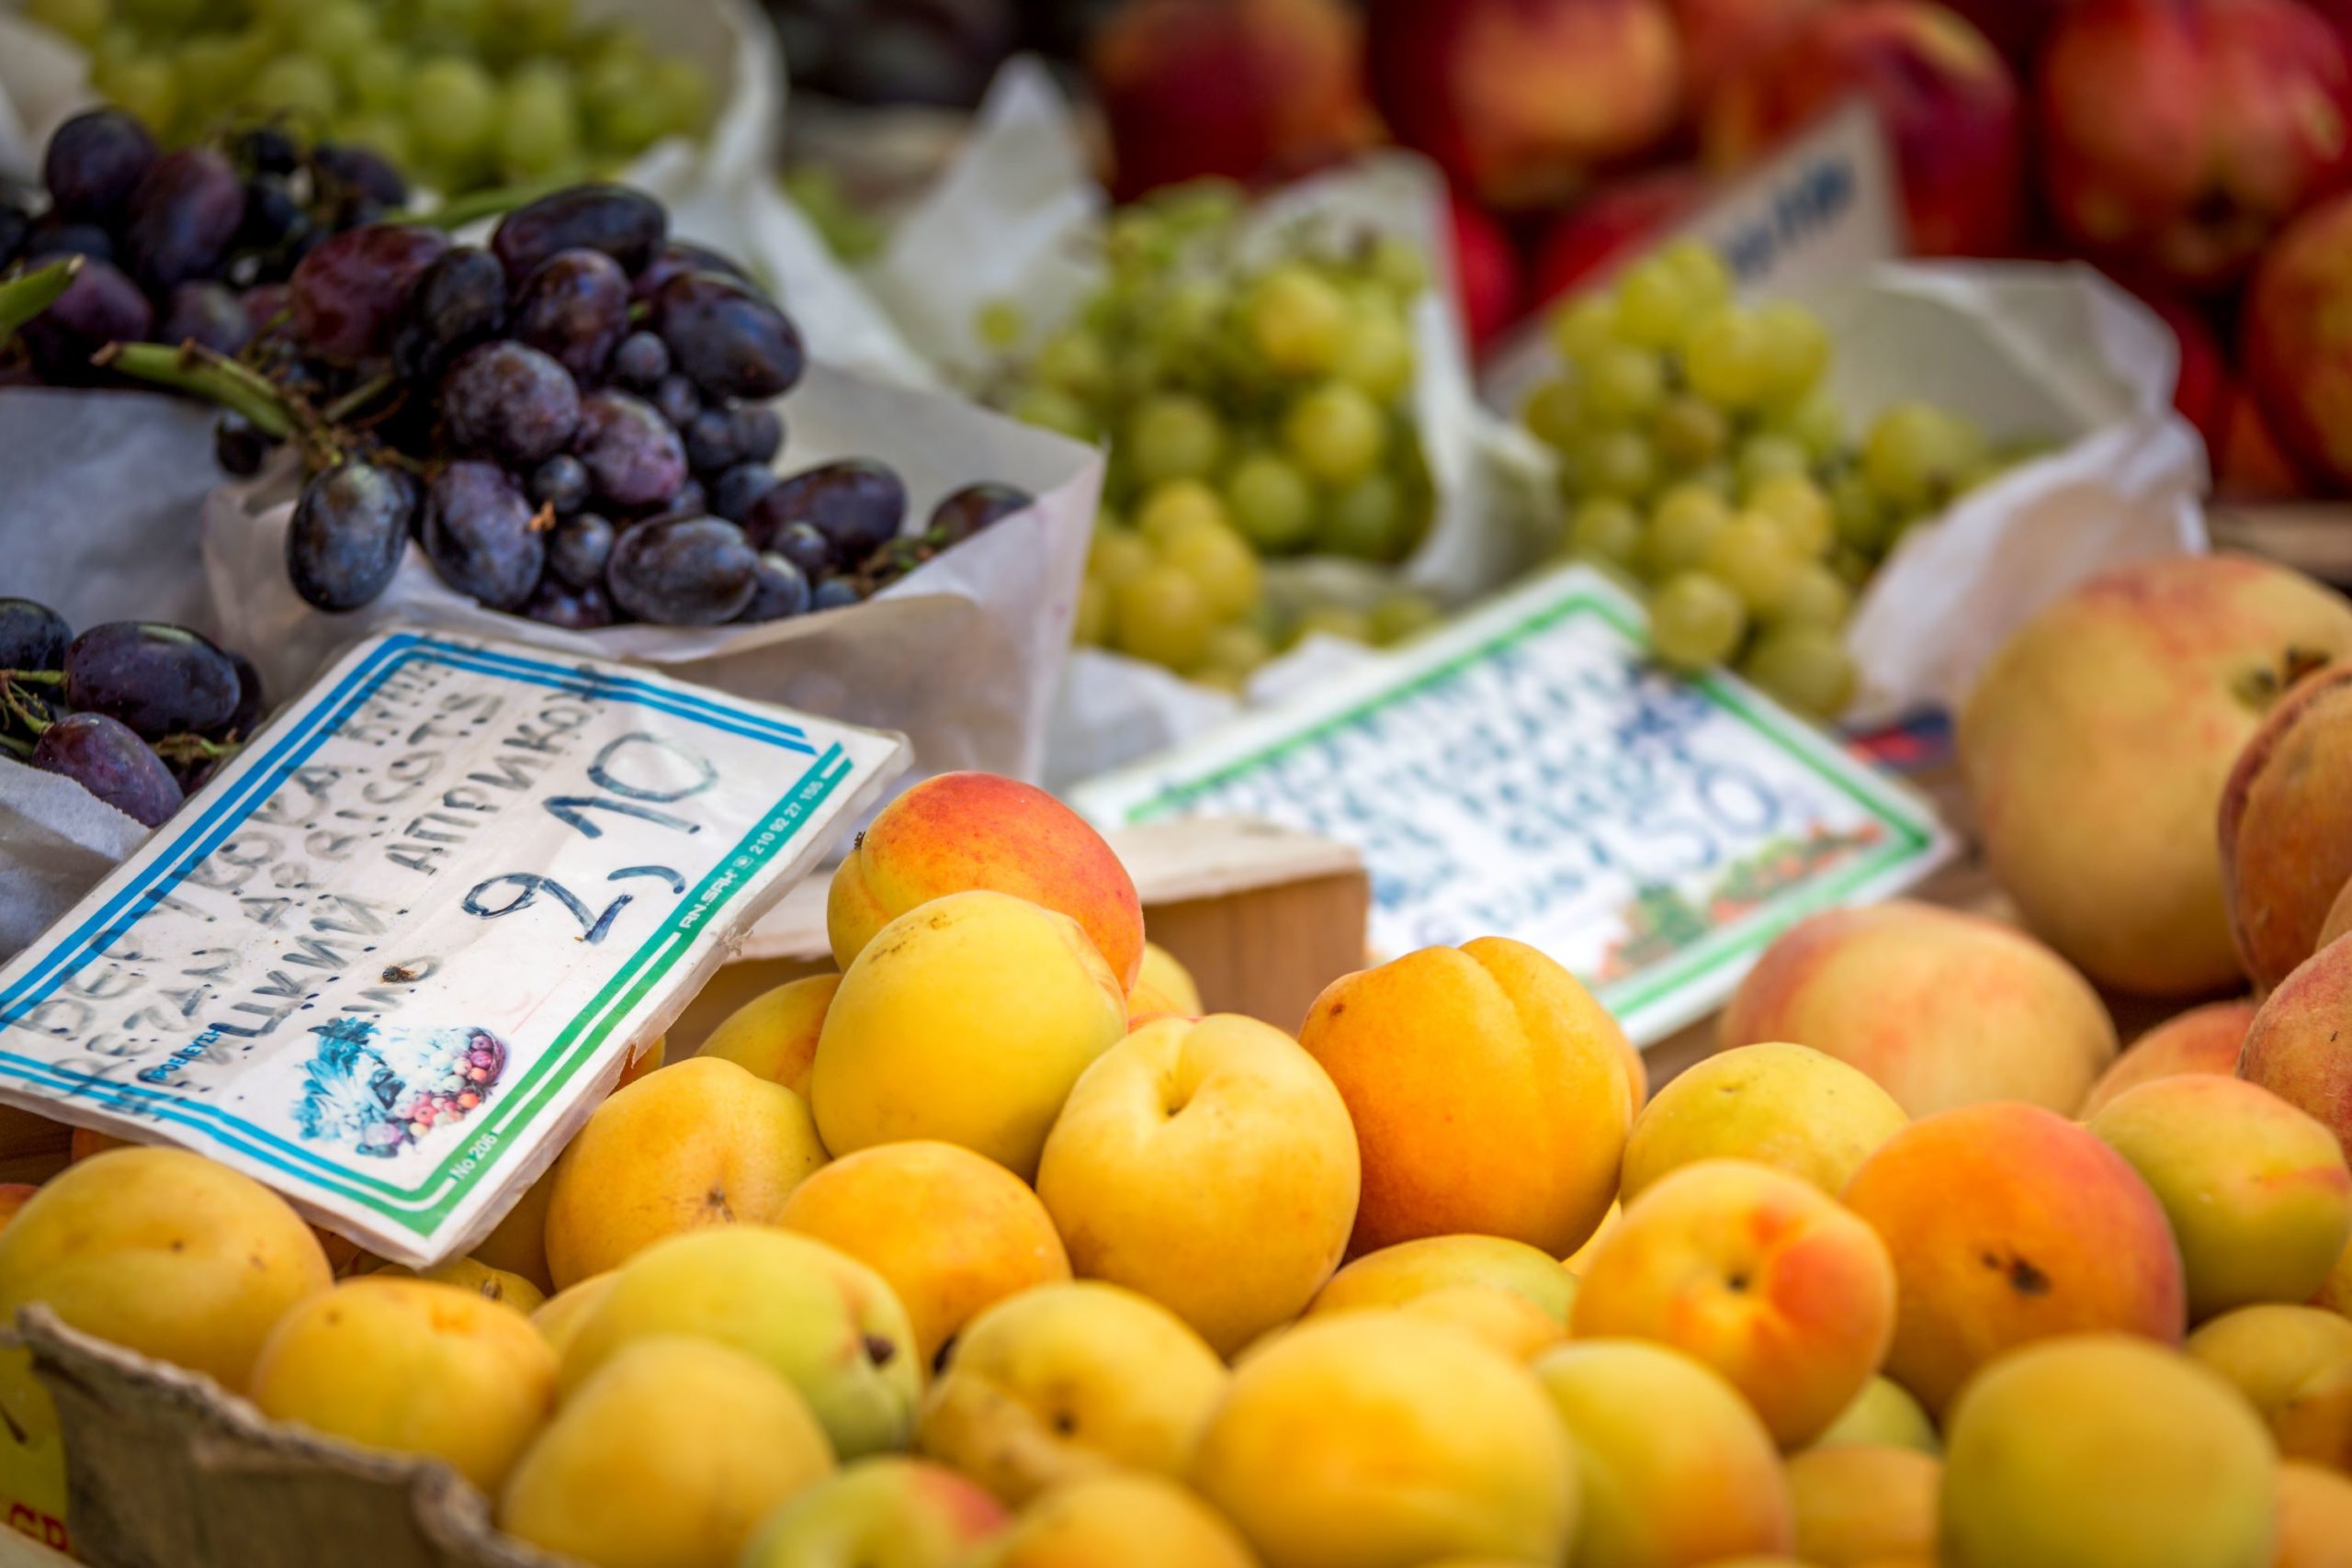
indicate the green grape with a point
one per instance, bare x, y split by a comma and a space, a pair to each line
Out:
1623, 383
682, 91
1690, 431
1376, 354
1817, 424
999, 324
1608, 530
1796, 351
1616, 462
1695, 622
1752, 557
160, 18
1981, 472
1796, 503
1074, 360
338, 33
1814, 596
1367, 521
1653, 306
1337, 433
1916, 455
1051, 409
1717, 478
455, 26
528, 29
452, 113
538, 127
1585, 326
143, 85
81, 20
1238, 646
1271, 502
1727, 359
381, 133
1852, 567
1214, 556
1219, 676
1401, 615
115, 45
1182, 320
1859, 522
204, 72
1398, 265
1092, 627
1806, 668
1331, 620
1763, 456
1163, 616
1199, 205
1297, 320
1175, 506
376, 80
1114, 554
1553, 412
1173, 435
1682, 526
1705, 279
616, 88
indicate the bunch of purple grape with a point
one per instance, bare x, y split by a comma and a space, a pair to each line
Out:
182, 247
138, 713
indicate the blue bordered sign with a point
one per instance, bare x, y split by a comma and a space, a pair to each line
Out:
387, 959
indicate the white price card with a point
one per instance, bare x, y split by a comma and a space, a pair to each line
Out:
1529, 771
391, 957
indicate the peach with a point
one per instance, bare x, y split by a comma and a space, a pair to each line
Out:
669, 1457
2007, 1224
413, 1367
966, 1021
1949, 104
2095, 743
1513, 1129
2177, 135
2104, 1451
1410, 1269
1883, 1416
884, 1512
2296, 353
695, 1144
2294, 1047
773, 1036
1065, 1382
558, 1318
956, 832
510, 1291
1210, 1166
1369, 1440
1857, 1505
1653, 1428
519, 1242
2202, 1040
1577, 1262
2339, 919
1135, 1521
1503, 1321
1785, 1106
1518, 102
1169, 979
1718, 34
1759, 1275
1940, 1008
2315, 1518
2335, 1293
822, 1320
2258, 1194
2294, 1366
2287, 826
14, 1196
952, 1233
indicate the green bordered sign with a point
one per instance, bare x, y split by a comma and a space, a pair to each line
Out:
1528, 772
385, 962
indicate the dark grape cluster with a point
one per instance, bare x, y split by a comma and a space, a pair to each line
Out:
180, 246
138, 713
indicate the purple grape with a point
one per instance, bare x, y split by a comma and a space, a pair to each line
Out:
779, 590
689, 500
349, 292
158, 679
627, 225
560, 482
759, 431
206, 314
575, 307
15, 225
639, 362
104, 758
733, 493
266, 149
459, 300
512, 402
238, 448
478, 535
575, 609
973, 508
246, 717
680, 256
798, 543
350, 529
32, 636
356, 180
835, 593
578, 549
857, 504
711, 441
633, 457
101, 306
272, 215
683, 571
51, 236
727, 338
181, 217
93, 163
675, 399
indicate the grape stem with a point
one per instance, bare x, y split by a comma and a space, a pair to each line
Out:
185, 748
18, 747
359, 398
32, 677
23, 298
193, 369
461, 210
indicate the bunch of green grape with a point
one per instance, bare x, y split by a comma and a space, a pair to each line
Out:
1251, 408
1702, 455
461, 93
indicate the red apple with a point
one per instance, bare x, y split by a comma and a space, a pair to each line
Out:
2182, 133
1717, 35
2250, 465
1949, 101
2202, 393
2297, 339
1486, 269
1519, 99
1242, 89
1612, 224
2016, 27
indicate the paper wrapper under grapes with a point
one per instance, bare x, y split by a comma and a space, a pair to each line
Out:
962, 655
